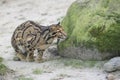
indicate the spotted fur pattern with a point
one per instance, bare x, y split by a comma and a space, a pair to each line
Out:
30, 36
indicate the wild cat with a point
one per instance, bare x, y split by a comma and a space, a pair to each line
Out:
30, 36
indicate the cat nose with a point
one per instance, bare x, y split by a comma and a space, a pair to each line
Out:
64, 34
66, 37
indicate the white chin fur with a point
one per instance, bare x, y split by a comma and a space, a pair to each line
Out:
61, 40
54, 41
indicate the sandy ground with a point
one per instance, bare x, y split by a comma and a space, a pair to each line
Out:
13, 13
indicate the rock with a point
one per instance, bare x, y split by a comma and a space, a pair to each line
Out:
93, 30
85, 53
110, 77
112, 65
51, 53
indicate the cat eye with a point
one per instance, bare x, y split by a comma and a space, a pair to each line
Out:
54, 33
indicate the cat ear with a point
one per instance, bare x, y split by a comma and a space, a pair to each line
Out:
52, 28
58, 23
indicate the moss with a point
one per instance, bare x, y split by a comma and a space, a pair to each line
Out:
1, 59
25, 78
75, 63
93, 23
3, 69
38, 71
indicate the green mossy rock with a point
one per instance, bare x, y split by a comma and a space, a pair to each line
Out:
93, 28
